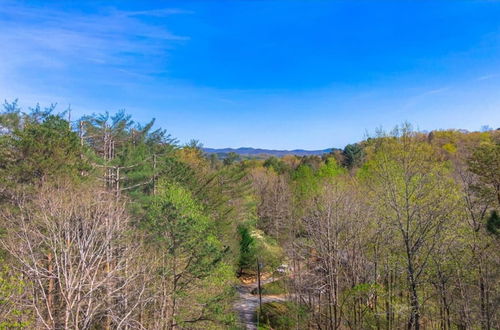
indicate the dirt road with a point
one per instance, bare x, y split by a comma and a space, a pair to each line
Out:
247, 304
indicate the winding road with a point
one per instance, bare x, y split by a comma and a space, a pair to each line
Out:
247, 304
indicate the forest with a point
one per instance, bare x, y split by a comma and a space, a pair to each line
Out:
108, 223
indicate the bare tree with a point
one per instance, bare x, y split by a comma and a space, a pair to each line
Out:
337, 234
71, 245
274, 204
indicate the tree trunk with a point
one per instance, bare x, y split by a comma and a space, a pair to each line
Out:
50, 291
414, 321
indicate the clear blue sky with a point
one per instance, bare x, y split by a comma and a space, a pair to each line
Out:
272, 74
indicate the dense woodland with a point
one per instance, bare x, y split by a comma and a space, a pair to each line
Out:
106, 223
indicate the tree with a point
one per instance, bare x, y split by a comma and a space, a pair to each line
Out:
353, 155
273, 198
485, 162
329, 170
493, 223
42, 151
189, 254
278, 165
10, 118
247, 249
330, 250
12, 290
413, 192
69, 244
231, 158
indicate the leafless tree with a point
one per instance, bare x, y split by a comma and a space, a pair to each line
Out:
70, 242
274, 205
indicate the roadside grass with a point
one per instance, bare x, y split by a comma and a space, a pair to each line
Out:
282, 315
274, 288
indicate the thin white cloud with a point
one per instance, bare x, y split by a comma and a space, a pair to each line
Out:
487, 77
50, 38
46, 49
157, 12
414, 100
435, 91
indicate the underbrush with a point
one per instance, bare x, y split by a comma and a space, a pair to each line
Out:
274, 288
282, 315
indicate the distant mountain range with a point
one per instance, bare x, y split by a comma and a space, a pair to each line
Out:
252, 152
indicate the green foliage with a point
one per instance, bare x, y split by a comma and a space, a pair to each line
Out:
11, 286
215, 293
231, 158
330, 169
193, 255
10, 118
254, 244
305, 182
485, 163
362, 292
450, 148
277, 287
278, 165
128, 152
42, 150
247, 248
177, 222
282, 315
353, 155
493, 223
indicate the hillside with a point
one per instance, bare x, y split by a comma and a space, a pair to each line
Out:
257, 152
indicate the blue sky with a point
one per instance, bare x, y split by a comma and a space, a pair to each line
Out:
271, 74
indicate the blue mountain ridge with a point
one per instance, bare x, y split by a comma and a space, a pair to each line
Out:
247, 151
